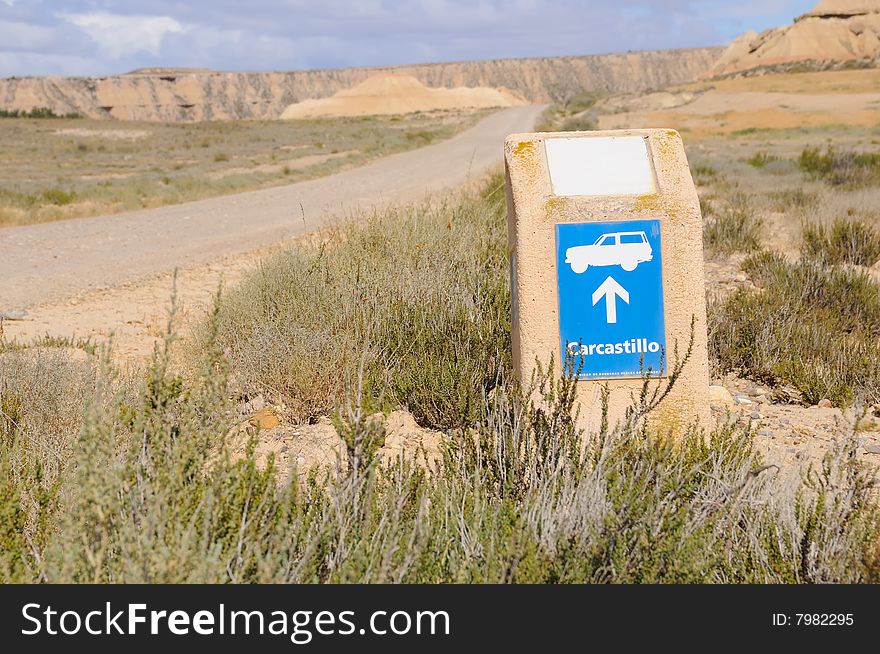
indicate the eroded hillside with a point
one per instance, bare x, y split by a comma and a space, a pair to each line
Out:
834, 31
176, 94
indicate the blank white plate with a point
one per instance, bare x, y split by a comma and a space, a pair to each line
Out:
600, 165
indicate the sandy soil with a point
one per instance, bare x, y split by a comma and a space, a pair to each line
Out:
770, 102
133, 314
400, 94
119, 134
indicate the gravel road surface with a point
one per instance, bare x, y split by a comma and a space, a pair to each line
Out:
48, 262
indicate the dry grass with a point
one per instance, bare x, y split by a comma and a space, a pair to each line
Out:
56, 168
849, 169
43, 393
846, 241
810, 326
731, 225
299, 328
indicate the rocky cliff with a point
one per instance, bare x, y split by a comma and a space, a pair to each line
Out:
178, 94
834, 31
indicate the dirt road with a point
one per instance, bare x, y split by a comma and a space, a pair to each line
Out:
50, 262
94, 278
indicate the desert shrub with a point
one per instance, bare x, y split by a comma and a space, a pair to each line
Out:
707, 205
845, 241
423, 136
220, 157
703, 173
18, 199
574, 114
582, 101
43, 394
579, 123
417, 297
760, 159
793, 199
548, 120
809, 327
58, 196
153, 495
734, 227
849, 169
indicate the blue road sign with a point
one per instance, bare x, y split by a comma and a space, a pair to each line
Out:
611, 319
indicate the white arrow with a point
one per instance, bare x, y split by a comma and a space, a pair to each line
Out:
611, 290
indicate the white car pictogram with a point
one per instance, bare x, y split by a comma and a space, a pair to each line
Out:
624, 249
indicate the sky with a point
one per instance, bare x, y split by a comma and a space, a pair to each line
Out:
99, 37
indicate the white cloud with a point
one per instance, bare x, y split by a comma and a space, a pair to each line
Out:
24, 36
120, 36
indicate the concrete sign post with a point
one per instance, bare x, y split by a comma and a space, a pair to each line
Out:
607, 266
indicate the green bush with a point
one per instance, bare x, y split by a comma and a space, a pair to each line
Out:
846, 241
760, 159
848, 169
37, 112
58, 196
809, 327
